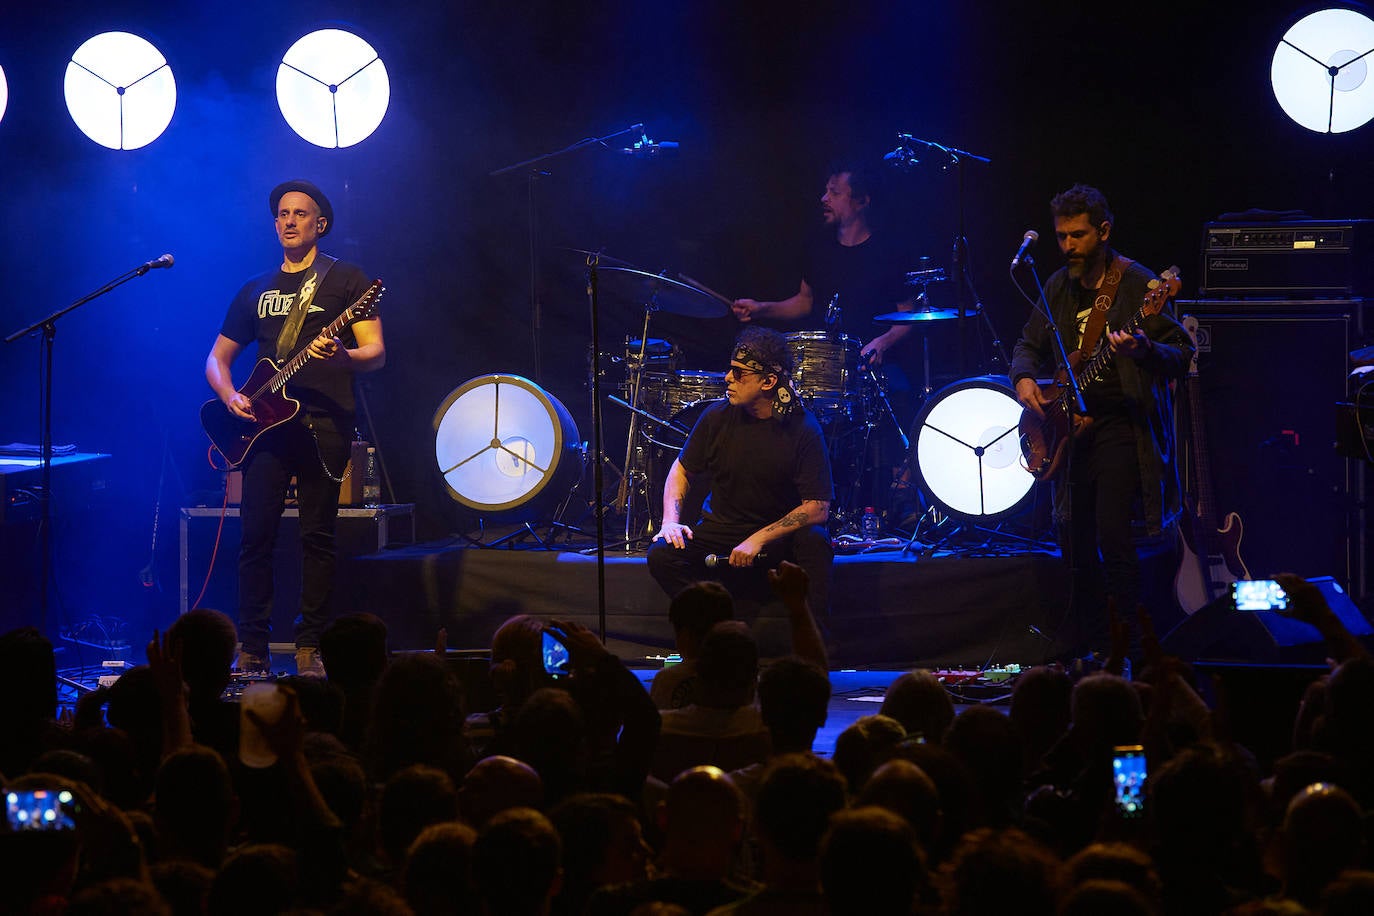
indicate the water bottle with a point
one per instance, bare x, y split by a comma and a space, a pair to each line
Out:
372, 482
870, 525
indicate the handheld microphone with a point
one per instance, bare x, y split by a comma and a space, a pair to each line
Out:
165, 261
1026, 242
712, 561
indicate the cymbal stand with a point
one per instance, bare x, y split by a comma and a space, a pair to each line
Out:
635, 479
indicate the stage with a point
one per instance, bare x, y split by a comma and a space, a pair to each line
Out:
971, 607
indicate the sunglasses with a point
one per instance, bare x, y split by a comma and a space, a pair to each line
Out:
739, 372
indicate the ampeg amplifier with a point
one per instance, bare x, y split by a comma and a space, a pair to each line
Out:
1317, 258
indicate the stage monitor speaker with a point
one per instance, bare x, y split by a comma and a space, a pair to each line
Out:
1270, 384
1219, 632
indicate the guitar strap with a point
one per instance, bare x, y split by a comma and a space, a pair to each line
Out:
286, 340
1102, 302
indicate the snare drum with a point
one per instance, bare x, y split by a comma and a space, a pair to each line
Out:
825, 369
665, 393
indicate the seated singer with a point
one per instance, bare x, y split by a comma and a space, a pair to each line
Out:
765, 459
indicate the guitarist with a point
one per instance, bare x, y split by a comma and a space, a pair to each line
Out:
1123, 456
283, 311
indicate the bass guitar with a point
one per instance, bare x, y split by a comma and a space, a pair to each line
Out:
1210, 555
1043, 439
233, 437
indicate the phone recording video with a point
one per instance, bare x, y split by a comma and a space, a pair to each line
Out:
1258, 595
555, 656
1128, 777
39, 809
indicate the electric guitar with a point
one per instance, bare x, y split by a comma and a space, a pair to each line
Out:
1211, 556
1043, 440
233, 437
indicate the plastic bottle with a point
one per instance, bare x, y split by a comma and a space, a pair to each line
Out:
372, 481
870, 525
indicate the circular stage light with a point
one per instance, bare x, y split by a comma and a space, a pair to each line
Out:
503, 443
4, 94
332, 88
120, 90
1320, 71
968, 450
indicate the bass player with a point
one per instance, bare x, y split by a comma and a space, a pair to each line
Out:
278, 310
1119, 460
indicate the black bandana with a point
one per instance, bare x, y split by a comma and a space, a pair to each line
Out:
784, 398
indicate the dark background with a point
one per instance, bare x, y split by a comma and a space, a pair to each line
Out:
1166, 108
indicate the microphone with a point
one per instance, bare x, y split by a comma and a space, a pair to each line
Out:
165, 261
902, 157
712, 561
1026, 242
645, 148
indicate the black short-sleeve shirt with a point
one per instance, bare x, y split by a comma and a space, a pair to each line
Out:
259, 310
760, 469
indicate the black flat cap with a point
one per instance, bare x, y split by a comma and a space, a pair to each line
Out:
309, 190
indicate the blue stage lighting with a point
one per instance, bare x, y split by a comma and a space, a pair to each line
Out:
120, 90
332, 88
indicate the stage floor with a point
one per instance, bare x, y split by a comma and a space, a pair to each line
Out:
973, 607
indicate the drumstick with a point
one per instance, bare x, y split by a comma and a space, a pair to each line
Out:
705, 289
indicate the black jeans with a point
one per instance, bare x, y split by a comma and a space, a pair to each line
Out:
291, 449
808, 547
1105, 479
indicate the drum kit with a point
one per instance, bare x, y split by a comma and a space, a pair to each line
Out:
964, 426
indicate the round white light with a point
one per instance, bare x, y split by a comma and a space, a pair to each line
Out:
4, 93
968, 451
332, 88
1320, 71
120, 90
501, 442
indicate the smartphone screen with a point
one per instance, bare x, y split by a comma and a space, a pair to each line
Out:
1128, 776
555, 656
39, 809
1258, 595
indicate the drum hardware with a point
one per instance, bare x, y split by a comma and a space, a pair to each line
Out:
925, 277
655, 292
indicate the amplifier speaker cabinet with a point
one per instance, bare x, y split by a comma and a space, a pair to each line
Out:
1270, 385
359, 532
1328, 258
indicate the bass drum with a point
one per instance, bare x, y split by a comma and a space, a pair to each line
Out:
505, 446
966, 450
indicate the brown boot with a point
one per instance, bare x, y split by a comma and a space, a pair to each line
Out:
253, 664
308, 663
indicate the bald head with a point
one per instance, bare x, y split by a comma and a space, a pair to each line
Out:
496, 784
702, 817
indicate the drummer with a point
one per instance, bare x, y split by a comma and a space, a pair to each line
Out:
845, 263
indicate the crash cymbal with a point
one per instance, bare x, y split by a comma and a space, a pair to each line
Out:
922, 315
662, 293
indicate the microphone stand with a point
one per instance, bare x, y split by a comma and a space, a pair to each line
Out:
1073, 406
904, 156
529, 166
598, 447
48, 327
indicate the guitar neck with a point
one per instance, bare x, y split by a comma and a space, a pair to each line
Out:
346, 317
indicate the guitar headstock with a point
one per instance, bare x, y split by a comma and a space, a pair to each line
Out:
1161, 291
366, 306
